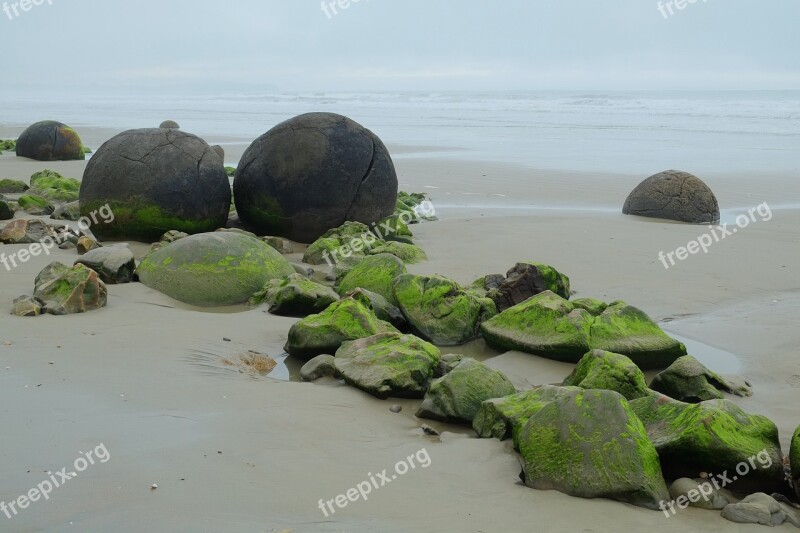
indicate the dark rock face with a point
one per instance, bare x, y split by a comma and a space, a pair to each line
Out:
312, 173
674, 195
156, 180
50, 141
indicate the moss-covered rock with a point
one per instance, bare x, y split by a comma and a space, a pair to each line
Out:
504, 418
687, 380
388, 365
12, 186
713, 436
794, 461
348, 240
528, 279
590, 444
394, 229
295, 295
66, 291
550, 326
50, 141
322, 366
7, 145
53, 186
610, 371
408, 253
213, 269
458, 395
345, 320
440, 310
375, 273
6, 210
594, 306
230, 171
35, 205
381, 306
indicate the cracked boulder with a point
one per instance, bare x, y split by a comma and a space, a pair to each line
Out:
312, 173
155, 180
674, 195
50, 141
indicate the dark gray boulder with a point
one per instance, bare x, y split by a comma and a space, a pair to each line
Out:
170, 125
674, 195
156, 180
312, 173
50, 141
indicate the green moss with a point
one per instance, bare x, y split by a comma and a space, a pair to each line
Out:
609, 371
12, 186
33, 201
408, 253
374, 273
74, 147
230, 171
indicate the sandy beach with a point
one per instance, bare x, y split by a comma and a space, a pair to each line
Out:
231, 452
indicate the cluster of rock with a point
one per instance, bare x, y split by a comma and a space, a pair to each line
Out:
49, 194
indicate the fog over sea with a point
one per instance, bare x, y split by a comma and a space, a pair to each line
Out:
622, 131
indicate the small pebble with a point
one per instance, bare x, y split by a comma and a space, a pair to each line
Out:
429, 430
226, 339
395, 408
153, 486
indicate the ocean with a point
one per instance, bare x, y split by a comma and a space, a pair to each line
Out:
632, 132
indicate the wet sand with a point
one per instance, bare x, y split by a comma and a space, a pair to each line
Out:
230, 452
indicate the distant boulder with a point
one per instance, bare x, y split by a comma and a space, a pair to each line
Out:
170, 125
50, 141
312, 173
156, 180
674, 195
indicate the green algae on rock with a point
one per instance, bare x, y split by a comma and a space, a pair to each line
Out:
349, 239
609, 371
457, 396
388, 365
53, 186
408, 253
590, 444
712, 436
50, 141
66, 291
553, 327
213, 269
295, 295
345, 320
687, 380
35, 205
375, 273
794, 461
440, 310
9, 186
528, 279
504, 418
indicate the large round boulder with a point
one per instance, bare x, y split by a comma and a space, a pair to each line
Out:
213, 269
674, 195
50, 141
312, 173
156, 180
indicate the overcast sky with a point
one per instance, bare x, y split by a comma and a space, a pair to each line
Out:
111, 46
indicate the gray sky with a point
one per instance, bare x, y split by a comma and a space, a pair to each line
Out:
203, 46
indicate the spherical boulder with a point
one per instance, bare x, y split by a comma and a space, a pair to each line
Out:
50, 141
213, 269
312, 173
674, 195
170, 125
156, 180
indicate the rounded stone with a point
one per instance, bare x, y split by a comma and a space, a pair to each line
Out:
213, 269
155, 180
50, 141
313, 173
674, 195
170, 125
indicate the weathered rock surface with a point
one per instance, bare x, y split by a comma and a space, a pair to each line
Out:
674, 195
687, 380
66, 291
609, 371
114, 264
50, 141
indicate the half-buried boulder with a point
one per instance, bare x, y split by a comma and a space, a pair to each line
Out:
609, 371
312, 173
552, 327
50, 141
23, 231
213, 269
55, 187
439, 309
65, 291
156, 180
687, 380
388, 365
713, 436
375, 273
114, 264
345, 320
674, 195
591, 445
457, 396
